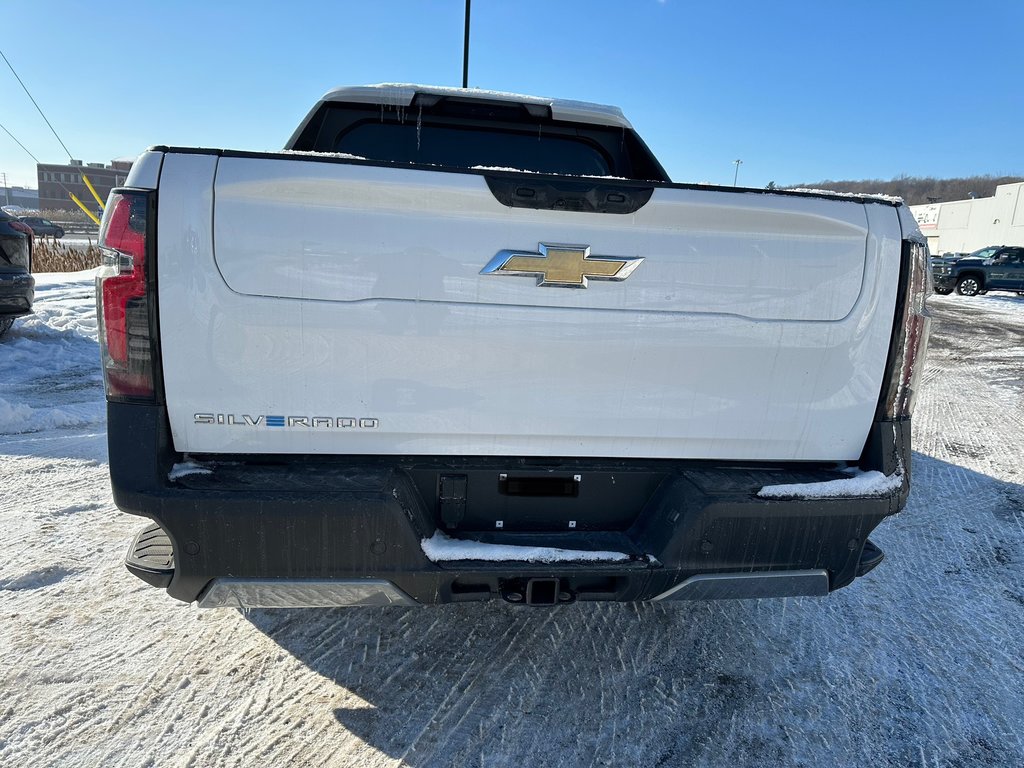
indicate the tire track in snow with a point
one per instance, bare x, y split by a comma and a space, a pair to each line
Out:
917, 664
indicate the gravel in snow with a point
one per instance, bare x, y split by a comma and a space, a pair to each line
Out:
921, 663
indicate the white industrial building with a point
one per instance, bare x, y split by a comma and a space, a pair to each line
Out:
967, 225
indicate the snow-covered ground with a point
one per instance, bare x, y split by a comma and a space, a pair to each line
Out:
49, 363
79, 241
921, 663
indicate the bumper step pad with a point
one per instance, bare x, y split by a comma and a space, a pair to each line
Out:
151, 556
870, 557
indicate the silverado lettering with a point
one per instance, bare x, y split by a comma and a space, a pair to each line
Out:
245, 420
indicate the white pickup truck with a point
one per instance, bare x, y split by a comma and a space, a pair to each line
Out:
456, 345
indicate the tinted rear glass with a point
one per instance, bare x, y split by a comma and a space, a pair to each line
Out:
467, 148
468, 133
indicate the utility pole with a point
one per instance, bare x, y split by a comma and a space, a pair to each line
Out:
736, 176
7, 190
465, 51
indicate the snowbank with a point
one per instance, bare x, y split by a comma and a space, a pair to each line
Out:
50, 360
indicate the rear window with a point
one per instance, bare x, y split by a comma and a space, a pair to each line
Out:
467, 148
468, 133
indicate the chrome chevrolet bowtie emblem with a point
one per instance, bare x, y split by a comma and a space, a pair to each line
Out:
562, 266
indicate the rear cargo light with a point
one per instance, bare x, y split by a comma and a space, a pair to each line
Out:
907, 357
126, 346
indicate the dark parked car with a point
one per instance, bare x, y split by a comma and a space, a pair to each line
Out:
995, 268
17, 286
42, 227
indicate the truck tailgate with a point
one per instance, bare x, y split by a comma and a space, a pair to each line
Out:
328, 307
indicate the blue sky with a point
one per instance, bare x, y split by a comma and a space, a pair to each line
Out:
800, 91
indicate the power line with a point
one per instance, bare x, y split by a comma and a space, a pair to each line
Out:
20, 144
37, 109
54, 132
62, 185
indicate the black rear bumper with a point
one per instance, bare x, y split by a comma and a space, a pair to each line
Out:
313, 523
17, 290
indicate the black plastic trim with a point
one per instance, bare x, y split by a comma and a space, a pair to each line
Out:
585, 196
343, 517
870, 558
899, 329
153, 296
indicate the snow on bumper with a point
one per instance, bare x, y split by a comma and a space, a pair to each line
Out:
440, 548
859, 484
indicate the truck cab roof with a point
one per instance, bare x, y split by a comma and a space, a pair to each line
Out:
403, 94
469, 128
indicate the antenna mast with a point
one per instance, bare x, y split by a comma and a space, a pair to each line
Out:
465, 51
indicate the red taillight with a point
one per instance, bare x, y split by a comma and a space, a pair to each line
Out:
21, 227
125, 341
912, 339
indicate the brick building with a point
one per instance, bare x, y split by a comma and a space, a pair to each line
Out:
55, 181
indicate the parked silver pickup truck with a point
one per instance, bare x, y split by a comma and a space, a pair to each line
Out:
454, 345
